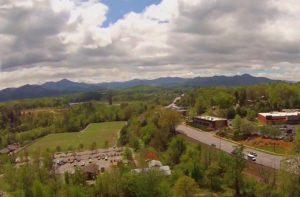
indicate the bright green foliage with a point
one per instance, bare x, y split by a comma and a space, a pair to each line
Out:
192, 112
223, 100
201, 106
213, 176
236, 123
176, 148
128, 154
152, 183
242, 127
155, 127
270, 131
297, 140
196, 172
235, 167
186, 187
169, 120
251, 114
147, 132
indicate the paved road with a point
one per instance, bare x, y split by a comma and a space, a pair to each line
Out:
174, 102
209, 138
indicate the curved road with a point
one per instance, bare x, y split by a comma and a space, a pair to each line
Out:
208, 138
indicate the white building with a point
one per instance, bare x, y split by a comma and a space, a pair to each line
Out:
154, 165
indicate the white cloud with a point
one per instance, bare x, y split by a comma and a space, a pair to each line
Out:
174, 38
86, 19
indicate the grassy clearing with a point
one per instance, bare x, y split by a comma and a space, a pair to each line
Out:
103, 134
3, 186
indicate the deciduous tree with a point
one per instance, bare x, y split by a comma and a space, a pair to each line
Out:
186, 187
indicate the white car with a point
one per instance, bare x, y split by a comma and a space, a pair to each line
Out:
251, 157
253, 153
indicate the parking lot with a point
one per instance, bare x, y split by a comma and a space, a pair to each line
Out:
104, 158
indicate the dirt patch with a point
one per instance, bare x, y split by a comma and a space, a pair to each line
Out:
261, 173
40, 110
151, 156
265, 142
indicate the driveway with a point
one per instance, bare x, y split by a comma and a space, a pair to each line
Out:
174, 102
208, 138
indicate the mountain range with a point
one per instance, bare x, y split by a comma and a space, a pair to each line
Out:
65, 86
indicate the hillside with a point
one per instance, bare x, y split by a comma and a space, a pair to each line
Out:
27, 91
69, 86
66, 86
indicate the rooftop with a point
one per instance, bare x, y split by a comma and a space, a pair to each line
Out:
280, 114
91, 168
210, 118
154, 163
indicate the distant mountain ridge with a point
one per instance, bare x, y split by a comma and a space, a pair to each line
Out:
66, 86
70, 86
27, 92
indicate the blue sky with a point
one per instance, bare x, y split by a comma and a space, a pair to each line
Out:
118, 8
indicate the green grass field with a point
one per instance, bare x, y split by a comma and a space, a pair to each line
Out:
103, 134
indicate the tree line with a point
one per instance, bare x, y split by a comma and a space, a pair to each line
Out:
243, 101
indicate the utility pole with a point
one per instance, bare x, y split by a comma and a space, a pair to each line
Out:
220, 142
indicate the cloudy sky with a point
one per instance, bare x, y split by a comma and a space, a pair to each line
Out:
118, 40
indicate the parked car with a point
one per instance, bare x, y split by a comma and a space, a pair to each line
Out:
213, 145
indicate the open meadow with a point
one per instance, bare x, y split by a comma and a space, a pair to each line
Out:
99, 135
